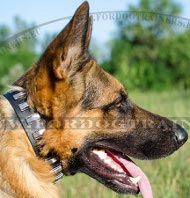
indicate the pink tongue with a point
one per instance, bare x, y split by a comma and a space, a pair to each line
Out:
135, 171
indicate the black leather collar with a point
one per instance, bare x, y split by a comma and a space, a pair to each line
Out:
34, 127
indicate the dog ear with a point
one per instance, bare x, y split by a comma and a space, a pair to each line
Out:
69, 50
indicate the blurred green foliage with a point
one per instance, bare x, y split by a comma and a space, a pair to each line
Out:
17, 53
151, 51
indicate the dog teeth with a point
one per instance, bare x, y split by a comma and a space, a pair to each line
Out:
114, 167
108, 161
103, 156
135, 180
101, 153
120, 170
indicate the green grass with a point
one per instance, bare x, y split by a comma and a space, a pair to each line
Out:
169, 177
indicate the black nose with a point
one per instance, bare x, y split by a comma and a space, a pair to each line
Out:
181, 135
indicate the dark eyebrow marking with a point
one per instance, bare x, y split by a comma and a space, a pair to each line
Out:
122, 97
108, 106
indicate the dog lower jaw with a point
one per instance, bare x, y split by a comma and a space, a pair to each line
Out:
115, 171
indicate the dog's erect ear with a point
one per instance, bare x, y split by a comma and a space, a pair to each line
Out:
70, 48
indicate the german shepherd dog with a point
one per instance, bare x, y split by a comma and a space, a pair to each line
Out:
91, 125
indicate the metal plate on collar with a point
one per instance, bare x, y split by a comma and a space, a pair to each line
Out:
33, 126
23, 106
19, 95
32, 118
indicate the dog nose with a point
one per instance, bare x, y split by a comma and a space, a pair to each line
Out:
181, 135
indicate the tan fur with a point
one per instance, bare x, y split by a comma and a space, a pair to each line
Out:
21, 173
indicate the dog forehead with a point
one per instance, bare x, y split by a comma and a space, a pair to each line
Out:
112, 89
103, 80
101, 89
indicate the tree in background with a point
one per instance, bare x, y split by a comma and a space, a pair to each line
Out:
151, 51
16, 53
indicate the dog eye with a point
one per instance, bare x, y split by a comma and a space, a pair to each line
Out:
118, 105
122, 105
113, 105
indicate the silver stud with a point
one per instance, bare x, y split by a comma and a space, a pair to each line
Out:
51, 161
57, 169
58, 176
38, 134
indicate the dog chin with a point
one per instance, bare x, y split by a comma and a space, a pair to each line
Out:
113, 169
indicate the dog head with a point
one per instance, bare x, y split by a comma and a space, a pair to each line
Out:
91, 122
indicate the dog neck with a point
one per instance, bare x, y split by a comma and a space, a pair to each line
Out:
34, 127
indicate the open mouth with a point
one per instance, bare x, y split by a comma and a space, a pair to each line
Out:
116, 171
